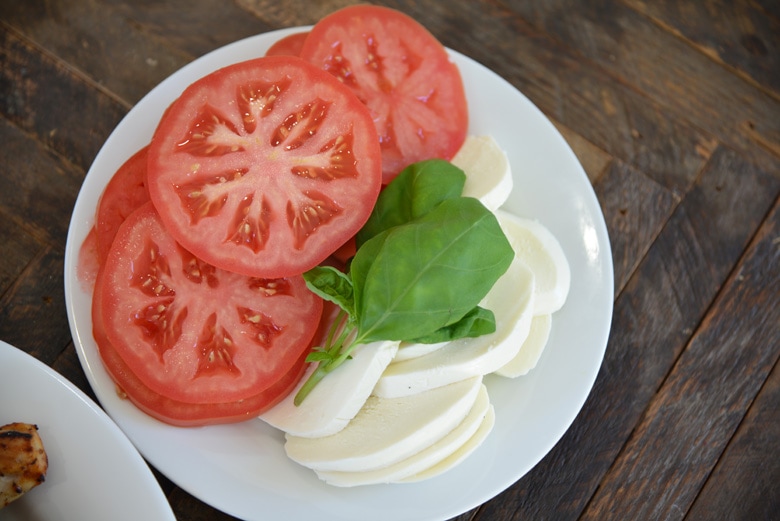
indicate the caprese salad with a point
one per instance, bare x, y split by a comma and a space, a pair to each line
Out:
311, 237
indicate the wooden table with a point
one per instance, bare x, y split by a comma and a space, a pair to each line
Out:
673, 108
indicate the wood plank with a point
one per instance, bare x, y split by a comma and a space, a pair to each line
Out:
69, 366
594, 160
770, 7
103, 43
186, 506
292, 13
37, 188
573, 91
193, 27
635, 209
659, 64
19, 248
744, 482
654, 318
738, 34
703, 400
41, 95
32, 312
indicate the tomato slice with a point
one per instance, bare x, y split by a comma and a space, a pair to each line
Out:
125, 192
191, 332
265, 167
179, 413
289, 45
402, 73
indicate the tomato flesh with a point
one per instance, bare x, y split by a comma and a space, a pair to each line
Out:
404, 76
194, 333
265, 167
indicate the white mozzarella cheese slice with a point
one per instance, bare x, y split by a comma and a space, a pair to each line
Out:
386, 431
463, 452
529, 354
422, 460
409, 350
512, 301
488, 173
337, 398
538, 248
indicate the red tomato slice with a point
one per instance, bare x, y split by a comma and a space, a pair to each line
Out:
125, 192
194, 333
265, 167
402, 73
178, 413
289, 45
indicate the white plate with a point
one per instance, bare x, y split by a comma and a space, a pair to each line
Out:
94, 473
242, 469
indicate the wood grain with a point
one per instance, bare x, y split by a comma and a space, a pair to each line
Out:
45, 98
593, 160
701, 403
636, 208
38, 188
20, 248
102, 43
658, 63
743, 484
192, 28
738, 34
32, 311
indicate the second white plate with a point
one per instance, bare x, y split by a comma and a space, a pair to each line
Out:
94, 473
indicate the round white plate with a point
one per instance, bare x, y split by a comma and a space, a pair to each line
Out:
242, 469
94, 473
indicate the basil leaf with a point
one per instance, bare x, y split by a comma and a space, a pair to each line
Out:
333, 285
361, 265
319, 356
413, 193
477, 322
414, 279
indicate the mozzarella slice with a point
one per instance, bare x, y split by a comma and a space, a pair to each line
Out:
463, 452
422, 460
512, 301
337, 398
409, 350
386, 431
529, 354
538, 248
488, 173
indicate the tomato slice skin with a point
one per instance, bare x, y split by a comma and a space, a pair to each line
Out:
289, 45
265, 167
193, 333
402, 73
125, 192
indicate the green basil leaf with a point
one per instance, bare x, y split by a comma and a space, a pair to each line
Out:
333, 285
477, 322
319, 356
413, 193
361, 265
422, 276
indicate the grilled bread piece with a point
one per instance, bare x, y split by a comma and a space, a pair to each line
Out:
23, 461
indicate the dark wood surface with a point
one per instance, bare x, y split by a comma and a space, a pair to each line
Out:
673, 108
